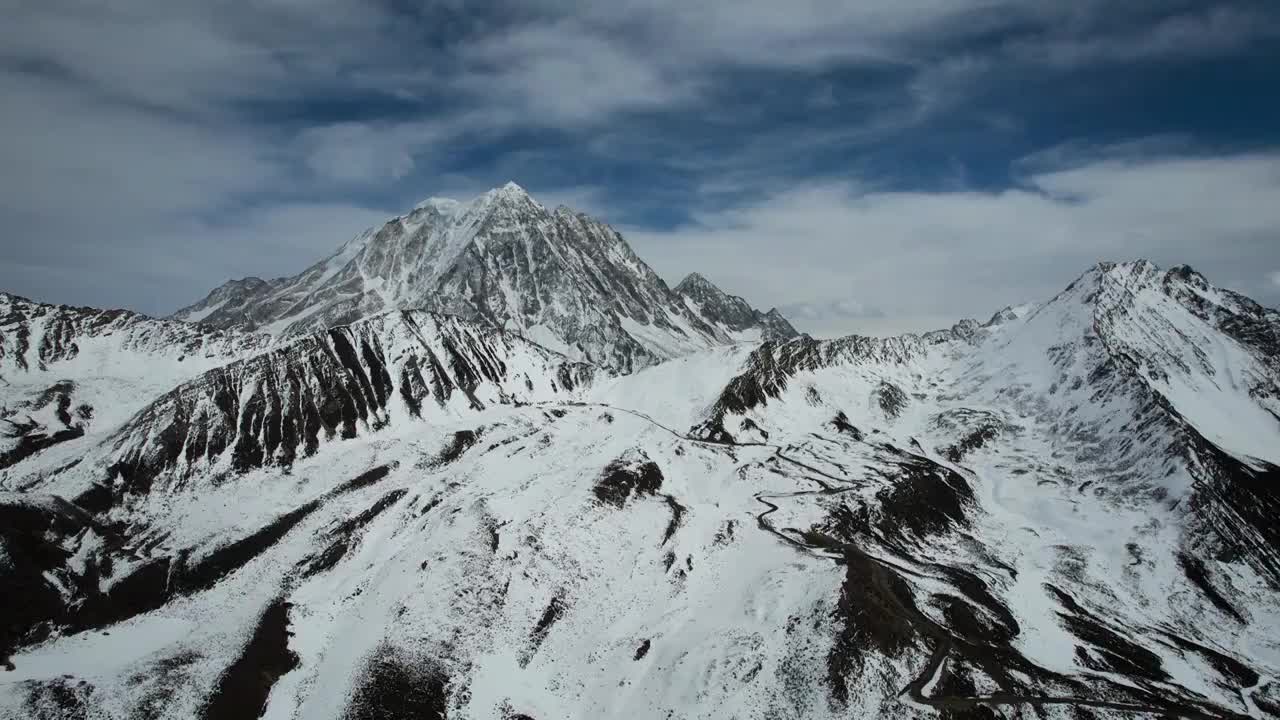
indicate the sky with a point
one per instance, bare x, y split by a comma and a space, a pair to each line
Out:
877, 166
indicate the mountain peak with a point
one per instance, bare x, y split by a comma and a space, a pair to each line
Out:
450, 207
693, 281
502, 258
509, 191
1145, 273
252, 281
1136, 266
510, 195
731, 313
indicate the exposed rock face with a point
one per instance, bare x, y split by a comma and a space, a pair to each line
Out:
1211, 359
731, 313
34, 531
768, 369
277, 406
558, 277
36, 337
32, 425
269, 409
68, 375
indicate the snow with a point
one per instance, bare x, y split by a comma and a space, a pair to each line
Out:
99, 654
750, 335
676, 393
460, 567
547, 338
277, 327
662, 342
198, 315
444, 206
1214, 392
116, 368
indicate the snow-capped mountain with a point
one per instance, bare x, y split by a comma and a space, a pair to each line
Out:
68, 374
730, 313
1066, 511
556, 276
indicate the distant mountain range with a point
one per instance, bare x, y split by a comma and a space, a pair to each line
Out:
483, 463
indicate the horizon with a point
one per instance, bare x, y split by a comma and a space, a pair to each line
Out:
876, 168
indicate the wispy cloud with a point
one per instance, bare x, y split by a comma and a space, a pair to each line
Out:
562, 72
369, 152
1196, 32
948, 254
135, 129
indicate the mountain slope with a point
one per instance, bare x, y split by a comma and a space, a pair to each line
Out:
731, 313
38, 340
555, 276
1096, 435
1045, 515
69, 374
274, 407
1129, 366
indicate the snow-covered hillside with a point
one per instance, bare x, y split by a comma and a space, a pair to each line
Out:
68, 375
556, 276
1067, 511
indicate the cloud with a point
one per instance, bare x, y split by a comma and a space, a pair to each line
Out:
562, 72
93, 160
839, 308
271, 241
90, 187
1197, 32
1274, 278
364, 153
947, 254
137, 132
833, 317
584, 199
187, 56
578, 62
175, 263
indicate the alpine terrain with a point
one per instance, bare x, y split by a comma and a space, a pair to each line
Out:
557, 277
482, 462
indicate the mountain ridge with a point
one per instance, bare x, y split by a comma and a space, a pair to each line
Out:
558, 276
734, 315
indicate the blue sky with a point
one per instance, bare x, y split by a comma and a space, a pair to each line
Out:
874, 166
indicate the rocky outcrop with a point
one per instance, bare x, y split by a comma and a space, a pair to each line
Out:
69, 374
275, 407
770, 367
38, 337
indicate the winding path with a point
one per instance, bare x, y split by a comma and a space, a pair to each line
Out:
944, 643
